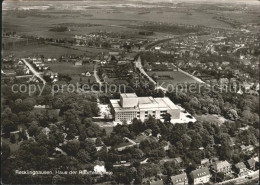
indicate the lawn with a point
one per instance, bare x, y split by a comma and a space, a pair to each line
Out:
70, 68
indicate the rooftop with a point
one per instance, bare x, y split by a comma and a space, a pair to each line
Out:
240, 165
141, 103
200, 172
179, 178
128, 95
221, 164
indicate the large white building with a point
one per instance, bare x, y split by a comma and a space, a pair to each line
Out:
129, 106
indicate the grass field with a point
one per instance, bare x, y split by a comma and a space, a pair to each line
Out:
70, 68
42, 49
176, 77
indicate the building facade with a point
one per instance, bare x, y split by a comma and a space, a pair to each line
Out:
201, 175
180, 179
129, 106
222, 166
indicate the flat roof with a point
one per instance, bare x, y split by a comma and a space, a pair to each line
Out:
128, 95
144, 103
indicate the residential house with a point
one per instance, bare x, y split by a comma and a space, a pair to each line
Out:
204, 162
115, 46
240, 91
235, 71
252, 92
99, 169
201, 175
246, 62
166, 146
178, 160
221, 166
210, 64
225, 63
166, 51
248, 148
180, 179
86, 74
78, 63
157, 48
113, 53
20, 63
9, 73
240, 169
251, 163
232, 141
157, 182
246, 85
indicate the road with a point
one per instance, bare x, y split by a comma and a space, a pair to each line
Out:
138, 64
243, 179
31, 68
96, 75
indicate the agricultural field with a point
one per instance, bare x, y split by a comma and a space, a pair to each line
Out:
41, 49
171, 77
70, 68
111, 17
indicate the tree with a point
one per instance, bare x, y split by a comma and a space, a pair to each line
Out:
138, 179
83, 156
72, 147
137, 153
87, 122
167, 117
214, 109
8, 126
224, 152
6, 151
82, 135
33, 129
220, 177
99, 141
247, 115
12, 138
109, 166
232, 114
90, 147
186, 141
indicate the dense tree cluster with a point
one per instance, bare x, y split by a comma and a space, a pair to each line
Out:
230, 105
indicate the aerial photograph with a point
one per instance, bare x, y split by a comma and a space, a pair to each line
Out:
130, 92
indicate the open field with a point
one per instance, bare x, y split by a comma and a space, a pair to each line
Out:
171, 77
70, 68
111, 17
41, 49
